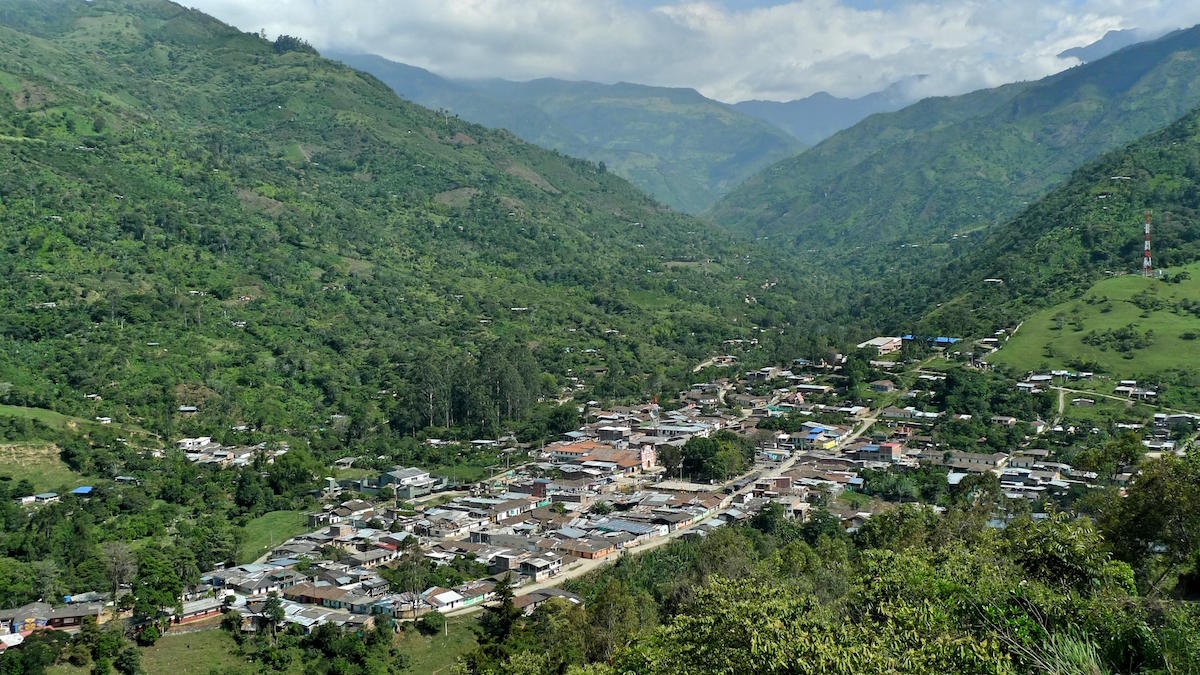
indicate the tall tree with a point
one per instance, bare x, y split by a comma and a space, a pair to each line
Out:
119, 562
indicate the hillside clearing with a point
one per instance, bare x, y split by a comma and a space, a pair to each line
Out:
270, 530
39, 464
1126, 327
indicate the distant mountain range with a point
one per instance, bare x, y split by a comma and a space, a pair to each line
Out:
954, 165
1113, 41
684, 149
817, 117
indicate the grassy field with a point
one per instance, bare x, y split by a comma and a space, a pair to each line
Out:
437, 653
1055, 337
354, 473
198, 653
268, 530
48, 417
61, 422
213, 651
470, 471
40, 464
1106, 410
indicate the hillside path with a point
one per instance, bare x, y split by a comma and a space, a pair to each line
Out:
1123, 399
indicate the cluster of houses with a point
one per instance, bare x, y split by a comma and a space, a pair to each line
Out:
203, 450
596, 492
81, 492
530, 533
1036, 383
1131, 389
398, 483
17, 623
885, 345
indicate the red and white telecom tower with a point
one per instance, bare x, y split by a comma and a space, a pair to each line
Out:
1147, 268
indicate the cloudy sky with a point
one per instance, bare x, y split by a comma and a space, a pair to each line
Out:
728, 49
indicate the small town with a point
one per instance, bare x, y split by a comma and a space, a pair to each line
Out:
599, 337
617, 486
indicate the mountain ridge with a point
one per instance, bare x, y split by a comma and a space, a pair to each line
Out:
928, 179
814, 118
672, 142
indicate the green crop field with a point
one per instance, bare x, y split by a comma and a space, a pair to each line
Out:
1126, 326
48, 417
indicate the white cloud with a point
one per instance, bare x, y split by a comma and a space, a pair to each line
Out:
728, 51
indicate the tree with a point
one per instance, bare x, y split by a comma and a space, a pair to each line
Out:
670, 457
129, 661
821, 523
273, 612
750, 627
289, 43
1061, 552
16, 583
156, 588
119, 562
48, 580
502, 615
1107, 459
431, 623
613, 619
232, 622
1157, 520
562, 628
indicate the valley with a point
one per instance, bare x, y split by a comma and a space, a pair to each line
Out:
318, 362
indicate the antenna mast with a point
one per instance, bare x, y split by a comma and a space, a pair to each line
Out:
1147, 268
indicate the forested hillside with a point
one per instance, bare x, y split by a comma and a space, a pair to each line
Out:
954, 166
194, 216
684, 149
1085, 230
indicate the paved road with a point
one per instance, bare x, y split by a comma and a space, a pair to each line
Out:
853, 435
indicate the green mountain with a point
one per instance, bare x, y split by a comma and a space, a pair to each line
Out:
1113, 41
195, 216
1067, 269
814, 118
683, 148
1085, 230
1129, 327
955, 165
